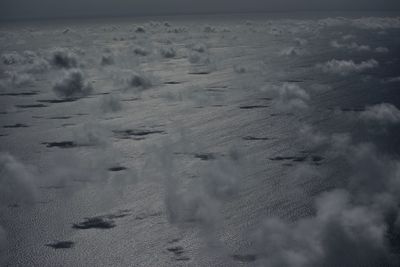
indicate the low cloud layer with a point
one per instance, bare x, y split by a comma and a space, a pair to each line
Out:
346, 67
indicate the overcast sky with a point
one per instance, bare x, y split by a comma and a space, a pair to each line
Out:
11, 9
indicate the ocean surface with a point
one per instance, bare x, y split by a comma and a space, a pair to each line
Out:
176, 141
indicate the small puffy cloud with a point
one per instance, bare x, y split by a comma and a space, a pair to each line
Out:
141, 51
199, 47
350, 46
11, 58
107, 59
17, 182
382, 113
292, 51
72, 85
140, 29
64, 58
138, 82
168, 52
346, 67
288, 96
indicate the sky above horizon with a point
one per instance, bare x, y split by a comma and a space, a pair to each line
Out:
22, 9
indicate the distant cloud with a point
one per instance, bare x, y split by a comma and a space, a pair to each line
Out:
369, 23
350, 46
168, 52
138, 82
381, 113
107, 60
292, 51
72, 85
288, 96
346, 67
381, 49
64, 58
141, 51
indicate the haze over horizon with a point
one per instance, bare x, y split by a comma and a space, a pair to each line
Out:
44, 9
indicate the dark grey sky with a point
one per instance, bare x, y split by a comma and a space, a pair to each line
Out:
11, 9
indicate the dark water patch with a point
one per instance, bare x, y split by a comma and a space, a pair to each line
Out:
245, 257
218, 86
117, 168
3, 135
37, 117
105, 93
31, 106
67, 124
300, 158
61, 244
314, 159
30, 93
172, 82
182, 259
3, 112
199, 72
215, 90
266, 98
62, 144
17, 125
253, 106
60, 118
137, 134
56, 101
253, 138
280, 158
293, 81
99, 222
13, 206
205, 156
177, 250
